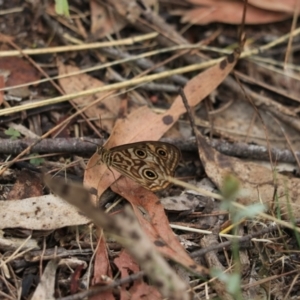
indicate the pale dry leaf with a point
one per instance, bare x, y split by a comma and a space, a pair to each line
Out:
45, 289
131, 9
127, 8
39, 213
288, 6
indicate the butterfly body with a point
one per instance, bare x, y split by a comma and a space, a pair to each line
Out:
147, 163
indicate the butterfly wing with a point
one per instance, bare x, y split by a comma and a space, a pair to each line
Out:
147, 163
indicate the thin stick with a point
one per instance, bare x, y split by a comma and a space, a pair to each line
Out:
190, 115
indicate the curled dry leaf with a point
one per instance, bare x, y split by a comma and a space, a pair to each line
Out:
45, 289
152, 218
259, 184
102, 267
227, 11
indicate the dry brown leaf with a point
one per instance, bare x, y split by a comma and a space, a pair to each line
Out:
154, 222
236, 124
18, 71
287, 6
2, 85
259, 184
102, 265
104, 22
145, 291
102, 268
25, 188
107, 110
227, 11
138, 289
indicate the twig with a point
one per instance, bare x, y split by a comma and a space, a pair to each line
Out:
101, 289
227, 244
80, 146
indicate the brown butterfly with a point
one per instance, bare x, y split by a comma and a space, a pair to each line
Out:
147, 163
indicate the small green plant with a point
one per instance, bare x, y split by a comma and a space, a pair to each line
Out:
35, 160
232, 282
62, 8
230, 191
13, 133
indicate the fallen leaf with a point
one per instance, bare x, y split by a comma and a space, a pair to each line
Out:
259, 184
39, 213
102, 268
189, 200
19, 72
103, 21
107, 110
227, 11
154, 222
138, 289
25, 188
1, 87
288, 6
45, 289
236, 124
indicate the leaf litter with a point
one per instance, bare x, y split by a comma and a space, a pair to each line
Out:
123, 117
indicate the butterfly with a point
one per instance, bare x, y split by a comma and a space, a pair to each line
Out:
147, 163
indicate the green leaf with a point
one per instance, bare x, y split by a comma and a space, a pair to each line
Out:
230, 187
233, 285
252, 211
35, 160
13, 133
62, 8
232, 281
